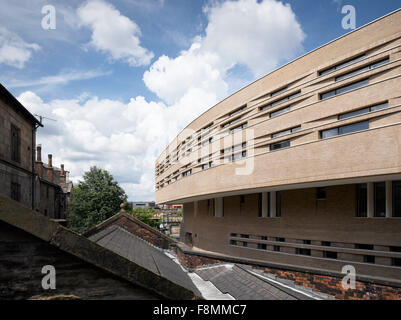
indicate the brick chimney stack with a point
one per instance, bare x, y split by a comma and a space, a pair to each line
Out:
39, 153
62, 174
39, 163
50, 171
49, 163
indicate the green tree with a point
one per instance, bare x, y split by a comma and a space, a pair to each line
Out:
94, 200
147, 216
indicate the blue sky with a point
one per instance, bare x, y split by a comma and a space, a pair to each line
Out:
122, 78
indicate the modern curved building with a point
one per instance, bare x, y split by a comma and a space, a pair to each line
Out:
303, 166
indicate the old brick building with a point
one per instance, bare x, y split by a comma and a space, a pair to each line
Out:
17, 142
52, 187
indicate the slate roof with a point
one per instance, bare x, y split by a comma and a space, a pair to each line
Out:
144, 254
243, 283
15, 214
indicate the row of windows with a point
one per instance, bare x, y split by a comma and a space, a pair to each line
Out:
342, 65
236, 156
280, 145
344, 89
286, 132
350, 128
379, 200
237, 111
239, 128
363, 69
278, 204
328, 254
275, 103
235, 148
363, 111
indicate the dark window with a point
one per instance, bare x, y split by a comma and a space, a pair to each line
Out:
396, 198
262, 246
259, 205
364, 246
47, 192
395, 249
45, 212
342, 65
304, 252
329, 254
263, 238
396, 262
233, 242
15, 144
280, 239
359, 126
326, 243
380, 199
233, 235
344, 89
363, 111
245, 236
242, 199
363, 69
279, 112
278, 204
244, 244
355, 127
268, 204
280, 145
369, 259
307, 242
361, 200
276, 248
15, 191
321, 193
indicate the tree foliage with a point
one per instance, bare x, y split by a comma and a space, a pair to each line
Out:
94, 200
146, 215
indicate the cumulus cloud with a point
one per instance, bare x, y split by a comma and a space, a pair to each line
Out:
14, 51
126, 138
257, 35
114, 33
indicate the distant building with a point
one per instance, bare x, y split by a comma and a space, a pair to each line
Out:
17, 144
143, 204
52, 188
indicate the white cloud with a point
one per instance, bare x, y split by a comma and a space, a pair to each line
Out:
126, 138
61, 78
114, 33
258, 35
14, 51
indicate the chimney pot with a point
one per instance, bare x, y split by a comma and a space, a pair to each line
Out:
50, 164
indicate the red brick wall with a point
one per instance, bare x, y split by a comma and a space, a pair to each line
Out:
330, 285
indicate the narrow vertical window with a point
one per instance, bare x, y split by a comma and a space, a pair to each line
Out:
380, 199
15, 191
278, 204
396, 198
15, 144
361, 200
259, 205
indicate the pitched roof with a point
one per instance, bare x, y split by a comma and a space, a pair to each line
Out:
144, 254
15, 214
9, 98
